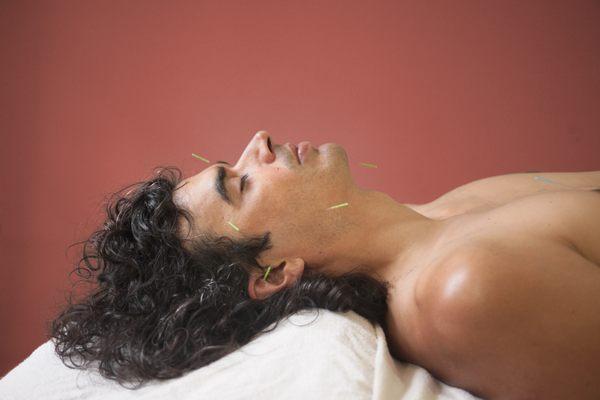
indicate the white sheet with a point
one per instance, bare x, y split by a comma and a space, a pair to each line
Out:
333, 356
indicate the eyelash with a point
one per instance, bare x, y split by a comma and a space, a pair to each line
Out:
243, 182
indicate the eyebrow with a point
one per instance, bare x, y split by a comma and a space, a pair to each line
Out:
220, 187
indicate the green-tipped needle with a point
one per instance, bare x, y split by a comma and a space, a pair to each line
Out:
338, 206
200, 157
368, 165
267, 273
234, 227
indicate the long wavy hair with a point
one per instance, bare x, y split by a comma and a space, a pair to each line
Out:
158, 309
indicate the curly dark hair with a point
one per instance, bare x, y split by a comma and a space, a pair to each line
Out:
158, 309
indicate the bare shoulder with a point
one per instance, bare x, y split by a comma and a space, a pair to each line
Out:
504, 326
455, 288
530, 235
560, 240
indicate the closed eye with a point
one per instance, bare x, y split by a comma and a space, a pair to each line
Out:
243, 182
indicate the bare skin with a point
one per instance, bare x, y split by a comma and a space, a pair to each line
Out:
373, 234
501, 300
507, 306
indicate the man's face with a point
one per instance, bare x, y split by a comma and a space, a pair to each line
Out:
280, 195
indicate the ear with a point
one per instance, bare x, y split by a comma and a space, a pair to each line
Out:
283, 274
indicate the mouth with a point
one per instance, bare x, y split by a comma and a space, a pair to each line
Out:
293, 150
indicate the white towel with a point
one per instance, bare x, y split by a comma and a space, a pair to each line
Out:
311, 355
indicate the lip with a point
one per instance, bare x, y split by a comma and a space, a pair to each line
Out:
294, 150
303, 148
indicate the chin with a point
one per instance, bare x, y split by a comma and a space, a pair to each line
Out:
333, 147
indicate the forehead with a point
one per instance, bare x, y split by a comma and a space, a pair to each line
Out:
196, 193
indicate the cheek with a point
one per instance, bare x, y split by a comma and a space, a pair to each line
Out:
277, 206
290, 201
301, 195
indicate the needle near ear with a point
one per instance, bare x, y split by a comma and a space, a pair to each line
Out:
267, 273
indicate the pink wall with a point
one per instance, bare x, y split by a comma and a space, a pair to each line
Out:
96, 94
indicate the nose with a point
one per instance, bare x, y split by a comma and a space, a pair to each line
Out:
263, 136
261, 146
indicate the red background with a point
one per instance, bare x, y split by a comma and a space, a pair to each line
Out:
94, 94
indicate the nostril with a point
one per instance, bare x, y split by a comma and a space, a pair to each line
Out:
269, 144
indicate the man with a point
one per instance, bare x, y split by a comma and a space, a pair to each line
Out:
493, 287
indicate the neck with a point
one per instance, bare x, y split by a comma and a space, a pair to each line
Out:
381, 237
